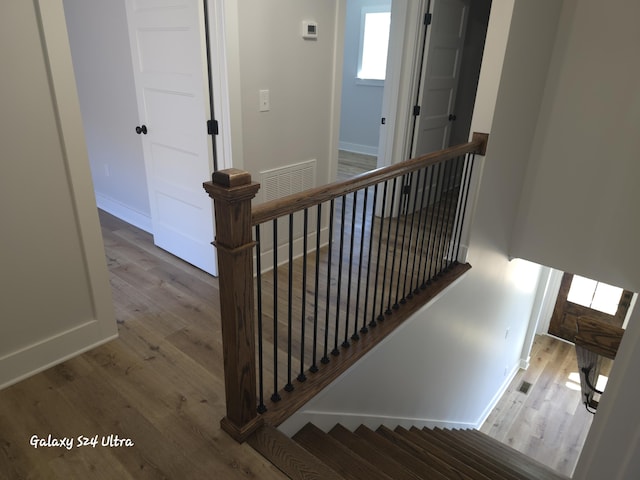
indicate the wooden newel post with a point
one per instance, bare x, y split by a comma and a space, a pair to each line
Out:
232, 191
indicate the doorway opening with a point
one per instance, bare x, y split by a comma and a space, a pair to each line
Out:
441, 98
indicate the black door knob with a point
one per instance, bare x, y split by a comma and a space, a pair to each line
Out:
141, 129
452, 117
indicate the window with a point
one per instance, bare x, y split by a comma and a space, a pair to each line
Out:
374, 44
596, 295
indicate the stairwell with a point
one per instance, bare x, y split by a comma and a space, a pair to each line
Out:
398, 454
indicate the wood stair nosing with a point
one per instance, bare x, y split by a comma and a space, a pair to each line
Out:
385, 446
384, 462
430, 458
335, 455
462, 445
292, 459
432, 445
518, 460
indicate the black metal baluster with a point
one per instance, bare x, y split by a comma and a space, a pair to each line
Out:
289, 386
440, 220
301, 376
276, 396
403, 300
261, 406
417, 253
364, 328
325, 358
363, 228
454, 222
446, 216
345, 342
470, 160
379, 287
432, 232
314, 355
395, 245
335, 350
426, 230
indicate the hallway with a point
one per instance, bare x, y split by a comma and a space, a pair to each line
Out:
549, 423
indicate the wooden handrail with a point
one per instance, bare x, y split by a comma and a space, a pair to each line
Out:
233, 191
298, 201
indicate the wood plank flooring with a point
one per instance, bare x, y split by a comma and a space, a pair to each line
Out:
549, 423
351, 164
159, 384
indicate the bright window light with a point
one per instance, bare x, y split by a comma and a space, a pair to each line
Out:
596, 295
374, 45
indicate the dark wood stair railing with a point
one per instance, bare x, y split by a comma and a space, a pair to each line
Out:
232, 191
594, 341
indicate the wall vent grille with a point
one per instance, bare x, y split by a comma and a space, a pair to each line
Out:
283, 181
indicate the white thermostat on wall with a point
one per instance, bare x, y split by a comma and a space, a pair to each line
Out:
309, 30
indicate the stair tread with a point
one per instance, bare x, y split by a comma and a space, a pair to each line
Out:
530, 467
385, 463
386, 447
433, 447
335, 455
428, 457
292, 459
459, 445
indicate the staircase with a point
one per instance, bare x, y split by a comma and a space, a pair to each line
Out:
398, 454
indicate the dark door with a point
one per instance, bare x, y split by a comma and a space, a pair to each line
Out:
581, 297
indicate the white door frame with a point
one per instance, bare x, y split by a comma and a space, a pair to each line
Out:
403, 76
221, 20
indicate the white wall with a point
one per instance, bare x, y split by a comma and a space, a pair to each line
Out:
55, 296
450, 363
300, 76
361, 104
579, 206
101, 54
579, 210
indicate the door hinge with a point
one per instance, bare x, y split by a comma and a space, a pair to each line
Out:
427, 18
212, 127
416, 110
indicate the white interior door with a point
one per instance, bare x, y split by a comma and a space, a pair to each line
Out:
441, 68
167, 43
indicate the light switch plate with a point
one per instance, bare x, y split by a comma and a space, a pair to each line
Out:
265, 103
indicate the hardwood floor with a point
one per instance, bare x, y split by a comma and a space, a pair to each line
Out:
549, 423
159, 384
351, 164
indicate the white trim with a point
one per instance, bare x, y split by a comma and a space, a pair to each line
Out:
45, 354
549, 301
100, 326
391, 103
326, 420
218, 16
357, 148
124, 212
498, 395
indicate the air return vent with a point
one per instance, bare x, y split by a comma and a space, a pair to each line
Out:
524, 387
283, 181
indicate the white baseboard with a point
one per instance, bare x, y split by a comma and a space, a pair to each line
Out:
496, 398
357, 148
124, 212
326, 421
28, 361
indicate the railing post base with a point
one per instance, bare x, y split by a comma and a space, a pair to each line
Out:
232, 191
242, 432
